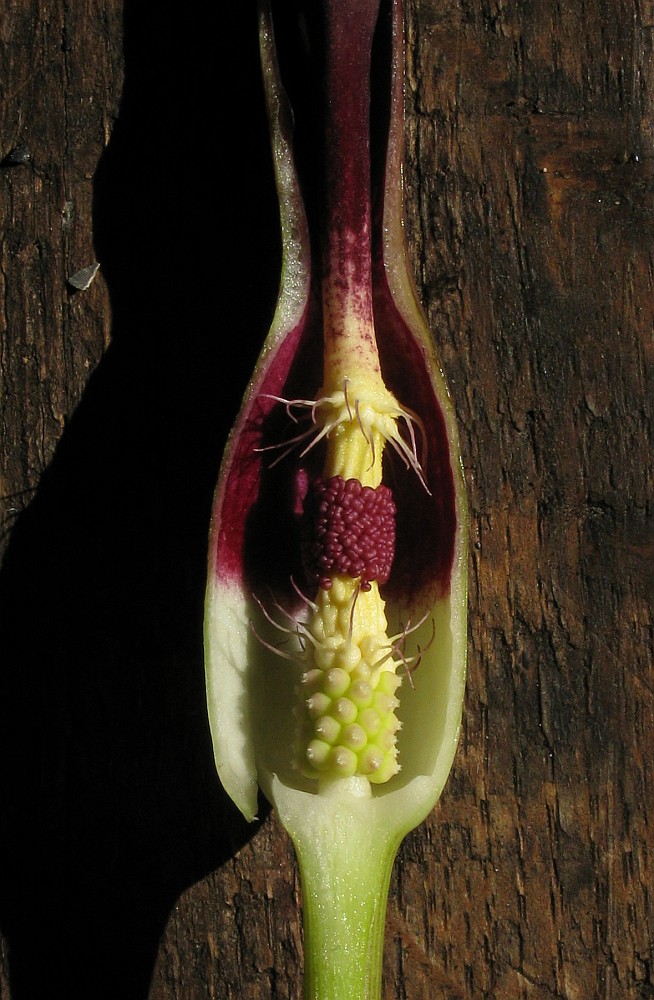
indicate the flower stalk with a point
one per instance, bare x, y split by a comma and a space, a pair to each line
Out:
345, 874
335, 621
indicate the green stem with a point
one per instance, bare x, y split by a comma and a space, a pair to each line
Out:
345, 867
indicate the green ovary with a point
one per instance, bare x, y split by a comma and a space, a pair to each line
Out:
350, 724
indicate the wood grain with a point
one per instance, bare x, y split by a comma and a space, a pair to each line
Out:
530, 204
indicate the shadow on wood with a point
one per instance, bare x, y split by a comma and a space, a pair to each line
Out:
111, 803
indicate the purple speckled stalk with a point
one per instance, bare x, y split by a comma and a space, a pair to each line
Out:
346, 265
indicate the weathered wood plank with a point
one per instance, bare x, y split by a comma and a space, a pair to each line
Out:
530, 197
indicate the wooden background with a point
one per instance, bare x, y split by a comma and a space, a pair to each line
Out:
124, 872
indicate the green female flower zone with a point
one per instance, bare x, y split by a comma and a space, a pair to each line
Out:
335, 625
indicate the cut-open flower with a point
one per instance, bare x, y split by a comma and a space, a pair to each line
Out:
335, 625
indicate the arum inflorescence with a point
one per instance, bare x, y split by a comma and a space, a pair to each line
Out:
335, 615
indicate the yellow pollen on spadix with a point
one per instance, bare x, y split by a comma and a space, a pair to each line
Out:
348, 722
351, 678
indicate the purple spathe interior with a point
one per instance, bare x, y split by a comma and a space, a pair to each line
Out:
256, 533
257, 519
